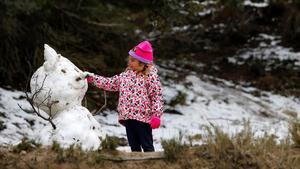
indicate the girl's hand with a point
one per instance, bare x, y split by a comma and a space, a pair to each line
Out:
88, 76
155, 122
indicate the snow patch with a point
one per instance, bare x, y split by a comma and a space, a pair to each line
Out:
263, 4
268, 50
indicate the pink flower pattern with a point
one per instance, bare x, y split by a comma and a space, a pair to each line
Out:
140, 96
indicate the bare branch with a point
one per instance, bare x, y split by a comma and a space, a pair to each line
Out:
85, 102
31, 98
104, 105
40, 89
37, 111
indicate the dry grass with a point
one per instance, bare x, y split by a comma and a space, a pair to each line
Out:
243, 150
110, 143
219, 151
173, 148
294, 130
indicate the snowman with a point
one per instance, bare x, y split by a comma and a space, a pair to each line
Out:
59, 87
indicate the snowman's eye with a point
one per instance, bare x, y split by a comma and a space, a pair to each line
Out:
63, 70
78, 78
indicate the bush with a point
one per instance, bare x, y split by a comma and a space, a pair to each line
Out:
231, 3
56, 147
110, 143
26, 145
179, 99
294, 130
173, 148
231, 151
71, 154
65, 26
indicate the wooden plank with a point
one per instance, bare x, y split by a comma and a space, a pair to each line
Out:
133, 156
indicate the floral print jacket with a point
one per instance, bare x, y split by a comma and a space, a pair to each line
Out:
140, 96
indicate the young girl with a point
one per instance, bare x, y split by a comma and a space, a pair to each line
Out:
140, 104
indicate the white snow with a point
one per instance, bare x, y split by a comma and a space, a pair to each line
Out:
263, 4
224, 104
206, 12
180, 29
268, 50
75, 125
16, 120
208, 2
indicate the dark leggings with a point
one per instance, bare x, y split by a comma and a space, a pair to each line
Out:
139, 135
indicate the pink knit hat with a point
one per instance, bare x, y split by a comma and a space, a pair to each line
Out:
142, 52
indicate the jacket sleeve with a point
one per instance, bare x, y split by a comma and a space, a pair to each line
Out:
107, 83
155, 95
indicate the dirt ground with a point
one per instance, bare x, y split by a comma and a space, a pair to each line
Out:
45, 158
196, 157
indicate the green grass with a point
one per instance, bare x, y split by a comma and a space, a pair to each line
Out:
26, 145
110, 143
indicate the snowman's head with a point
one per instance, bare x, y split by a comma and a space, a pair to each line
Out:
62, 84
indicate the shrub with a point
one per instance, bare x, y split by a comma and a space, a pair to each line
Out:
294, 129
26, 145
179, 99
231, 151
173, 148
71, 154
231, 3
56, 147
110, 143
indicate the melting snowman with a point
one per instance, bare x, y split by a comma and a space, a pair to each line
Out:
59, 87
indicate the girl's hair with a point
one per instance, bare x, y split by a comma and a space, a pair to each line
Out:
146, 68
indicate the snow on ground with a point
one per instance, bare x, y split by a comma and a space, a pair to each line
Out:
17, 124
268, 50
262, 4
208, 100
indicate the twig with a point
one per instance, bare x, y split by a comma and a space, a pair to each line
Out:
85, 102
104, 105
37, 112
33, 96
